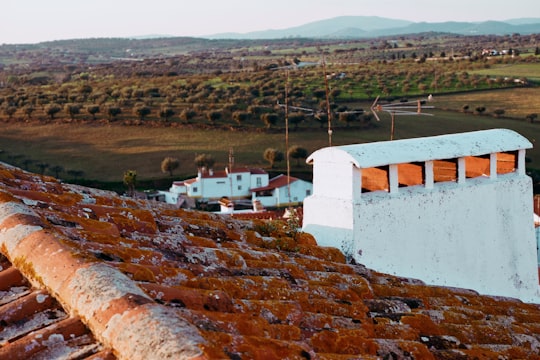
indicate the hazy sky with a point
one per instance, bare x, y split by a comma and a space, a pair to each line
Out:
30, 21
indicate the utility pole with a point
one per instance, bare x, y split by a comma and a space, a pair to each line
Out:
287, 138
328, 110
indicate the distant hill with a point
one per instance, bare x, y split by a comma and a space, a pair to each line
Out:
374, 26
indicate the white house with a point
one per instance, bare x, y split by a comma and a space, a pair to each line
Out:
213, 185
451, 210
282, 191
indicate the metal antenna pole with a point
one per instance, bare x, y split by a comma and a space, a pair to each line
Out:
328, 112
393, 116
287, 137
404, 108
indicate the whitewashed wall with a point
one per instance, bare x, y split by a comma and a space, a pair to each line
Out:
476, 234
479, 236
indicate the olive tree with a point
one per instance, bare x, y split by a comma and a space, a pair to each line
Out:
297, 152
92, 110
52, 110
169, 164
272, 155
130, 179
206, 161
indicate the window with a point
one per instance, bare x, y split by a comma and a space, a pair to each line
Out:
308, 192
476, 166
507, 162
239, 187
238, 177
445, 170
195, 189
259, 181
374, 179
411, 174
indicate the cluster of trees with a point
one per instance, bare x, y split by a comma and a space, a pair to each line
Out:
273, 155
233, 99
206, 161
222, 89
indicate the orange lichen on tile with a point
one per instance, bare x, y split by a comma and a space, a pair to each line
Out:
126, 219
479, 333
421, 323
63, 198
303, 238
201, 241
147, 273
268, 349
344, 341
357, 284
254, 238
354, 311
520, 353
415, 350
195, 299
385, 328
138, 272
462, 315
220, 287
431, 295
217, 345
275, 311
246, 287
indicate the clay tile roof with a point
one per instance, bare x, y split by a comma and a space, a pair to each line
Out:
276, 182
110, 277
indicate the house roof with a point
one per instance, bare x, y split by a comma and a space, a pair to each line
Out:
221, 174
423, 149
185, 182
151, 281
277, 182
224, 173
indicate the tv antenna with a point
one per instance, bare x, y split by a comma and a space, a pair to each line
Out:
317, 113
400, 109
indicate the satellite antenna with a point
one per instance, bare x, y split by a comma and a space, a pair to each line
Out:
399, 109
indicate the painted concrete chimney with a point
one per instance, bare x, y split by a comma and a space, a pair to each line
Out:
451, 210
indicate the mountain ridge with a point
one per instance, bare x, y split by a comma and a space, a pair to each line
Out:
375, 26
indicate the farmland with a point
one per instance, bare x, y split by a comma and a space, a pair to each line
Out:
92, 123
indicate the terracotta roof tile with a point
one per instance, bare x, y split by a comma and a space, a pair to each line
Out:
34, 325
277, 182
135, 279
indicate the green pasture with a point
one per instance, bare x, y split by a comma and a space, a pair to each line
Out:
517, 103
530, 71
104, 152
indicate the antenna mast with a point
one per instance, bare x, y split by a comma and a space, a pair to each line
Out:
328, 112
287, 137
404, 108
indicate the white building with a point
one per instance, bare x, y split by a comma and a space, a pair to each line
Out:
283, 191
241, 183
213, 185
451, 210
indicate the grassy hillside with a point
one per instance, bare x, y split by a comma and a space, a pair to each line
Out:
85, 111
105, 152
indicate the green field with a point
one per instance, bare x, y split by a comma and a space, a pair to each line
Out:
520, 70
104, 152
